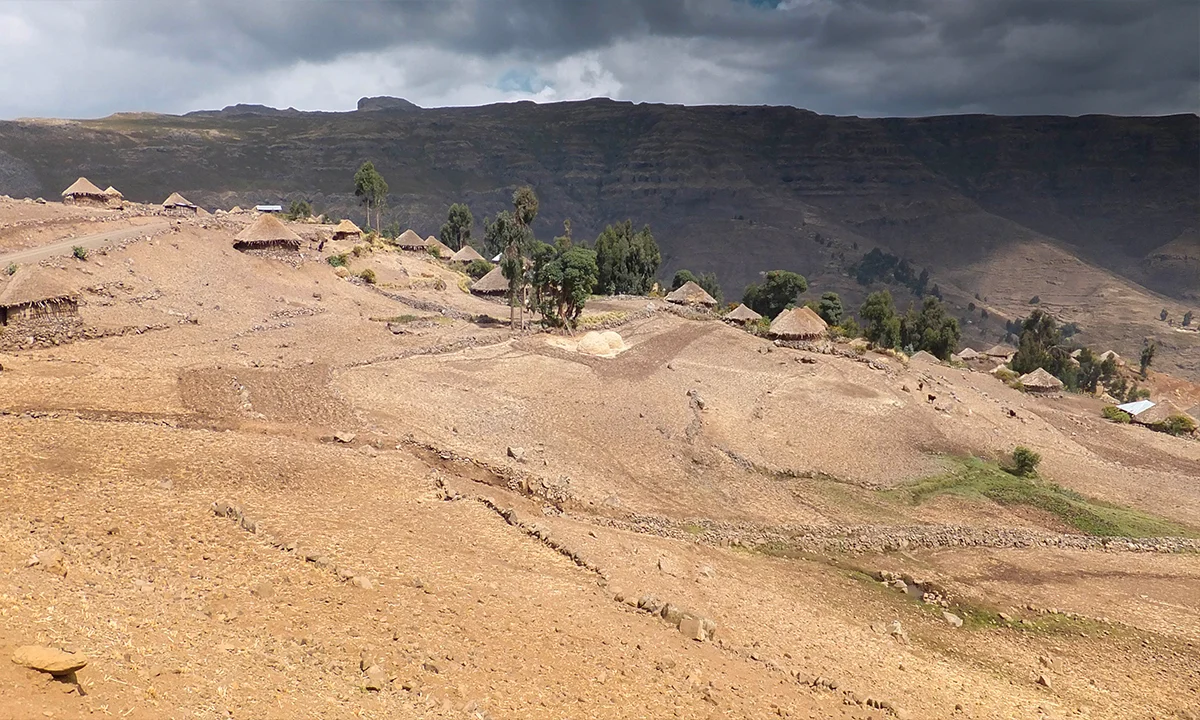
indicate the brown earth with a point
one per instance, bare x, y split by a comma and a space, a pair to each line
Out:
711, 469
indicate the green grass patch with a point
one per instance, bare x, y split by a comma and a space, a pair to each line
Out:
978, 479
339, 260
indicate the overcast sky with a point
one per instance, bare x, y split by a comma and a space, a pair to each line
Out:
66, 58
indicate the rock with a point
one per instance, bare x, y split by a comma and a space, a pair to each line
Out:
707, 571
1005, 617
896, 630
52, 560
1048, 662
263, 590
345, 437
697, 628
1044, 680
376, 679
360, 581
953, 619
668, 566
49, 660
650, 604
516, 453
672, 614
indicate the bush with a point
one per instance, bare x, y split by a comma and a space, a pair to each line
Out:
339, 260
1025, 461
1112, 412
11, 269
1177, 425
79, 252
368, 276
358, 250
478, 268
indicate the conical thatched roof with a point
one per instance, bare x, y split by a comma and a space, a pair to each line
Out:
268, 229
409, 240
741, 313
1157, 414
797, 324
113, 192
466, 255
968, 354
1110, 354
492, 283
690, 293
82, 186
176, 200
33, 285
1000, 351
346, 227
1040, 380
443, 250
924, 356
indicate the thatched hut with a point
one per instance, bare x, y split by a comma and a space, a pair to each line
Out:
466, 255
925, 357
798, 324
494, 283
347, 230
442, 250
968, 354
33, 294
691, 293
1040, 381
176, 204
113, 198
409, 240
741, 315
266, 233
1001, 352
83, 192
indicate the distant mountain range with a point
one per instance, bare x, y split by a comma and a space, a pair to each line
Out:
735, 190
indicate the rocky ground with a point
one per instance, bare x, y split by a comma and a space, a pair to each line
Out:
300, 495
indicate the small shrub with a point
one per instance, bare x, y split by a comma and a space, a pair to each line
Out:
1112, 412
368, 276
1006, 375
1177, 425
358, 250
79, 252
434, 251
11, 269
849, 328
1025, 461
478, 268
339, 260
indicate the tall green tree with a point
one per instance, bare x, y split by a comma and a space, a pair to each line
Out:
627, 261
1040, 345
708, 281
777, 291
931, 329
883, 325
456, 231
1148, 351
371, 190
519, 244
563, 277
830, 308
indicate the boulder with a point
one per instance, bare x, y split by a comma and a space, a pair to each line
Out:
952, 619
345, 437
49, 660
516, 453
697, 628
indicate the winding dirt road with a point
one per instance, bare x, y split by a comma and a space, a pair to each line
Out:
90, 242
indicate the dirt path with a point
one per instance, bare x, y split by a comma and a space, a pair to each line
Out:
90, 242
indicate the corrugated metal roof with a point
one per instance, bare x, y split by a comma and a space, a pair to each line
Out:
269, 208
1136, 408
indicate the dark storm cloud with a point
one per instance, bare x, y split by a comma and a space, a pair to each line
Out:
869, 57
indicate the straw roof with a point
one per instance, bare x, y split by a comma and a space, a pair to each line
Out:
113, 192
1110, 354
176, 200
439, 246
346, 227
34, 285
1003, 351
741, 313
492, 283
1040, 380
466, 255
798, 323
968, 354
268, 229
409, 240
1157, 414
82, 186
924, 356
690, 293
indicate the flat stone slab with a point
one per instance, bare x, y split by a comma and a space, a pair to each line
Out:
49, 660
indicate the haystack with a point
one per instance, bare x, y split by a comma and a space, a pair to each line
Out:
798, 324
593, 343
614, 340
83, 192
266, 232
494, 283
409, 240
1040, 381
1120, 361
466, 255
347, 230
741, 314
690, 293
33, 293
